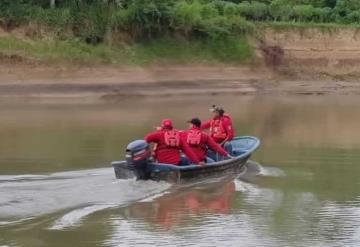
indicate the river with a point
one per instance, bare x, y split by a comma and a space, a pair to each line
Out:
57, 187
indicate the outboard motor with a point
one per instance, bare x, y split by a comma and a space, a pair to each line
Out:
138, 156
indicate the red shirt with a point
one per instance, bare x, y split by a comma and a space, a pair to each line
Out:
227, 125
170, 155
205, 142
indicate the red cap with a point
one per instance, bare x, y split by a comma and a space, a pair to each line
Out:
166, 123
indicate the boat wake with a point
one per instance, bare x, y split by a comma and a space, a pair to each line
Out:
268, 171
74, 195
75, 217
256, 195
77, 193
256, 169
5, 223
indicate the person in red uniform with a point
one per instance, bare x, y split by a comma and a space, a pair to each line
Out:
221, 127
200, 142
169, 145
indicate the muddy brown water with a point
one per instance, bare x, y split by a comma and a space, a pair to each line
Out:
302, 187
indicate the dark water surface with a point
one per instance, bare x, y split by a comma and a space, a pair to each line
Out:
56, 187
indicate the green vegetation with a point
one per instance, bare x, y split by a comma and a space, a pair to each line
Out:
157, 50
93, 21
140, 30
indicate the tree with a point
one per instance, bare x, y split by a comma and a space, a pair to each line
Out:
303, 12
258, 10
187, 16
244, 8
345, 7
280, 10
323, 14
231, 9
354, 17
52, 3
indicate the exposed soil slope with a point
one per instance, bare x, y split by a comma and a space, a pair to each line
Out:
334, 52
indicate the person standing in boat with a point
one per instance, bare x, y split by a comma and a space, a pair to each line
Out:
221, 127
201, 142
169, 145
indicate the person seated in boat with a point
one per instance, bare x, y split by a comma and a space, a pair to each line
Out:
221, 127
169, 145
201, 142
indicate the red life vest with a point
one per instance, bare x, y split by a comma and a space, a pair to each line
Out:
217, 129
172, 138
228, 117
194, 137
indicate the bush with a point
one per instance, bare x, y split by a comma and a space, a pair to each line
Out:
187, 16
258, 11
120, 19
91, 22
209, 11
220, 5
345, 7
58, 18
223, 27
303, 12
244, 9
231, 9
12, 13
354, 17
280, 10
207, 19
322, 14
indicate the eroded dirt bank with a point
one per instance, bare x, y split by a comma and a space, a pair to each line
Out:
317, 51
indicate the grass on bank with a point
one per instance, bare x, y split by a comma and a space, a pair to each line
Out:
160, 50
307, 25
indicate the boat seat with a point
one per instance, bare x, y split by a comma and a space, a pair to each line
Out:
238, 151
209, 160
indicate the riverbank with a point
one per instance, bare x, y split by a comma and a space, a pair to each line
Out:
115, 84
285, 60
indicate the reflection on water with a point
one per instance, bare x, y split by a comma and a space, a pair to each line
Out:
56, 187
171, 210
